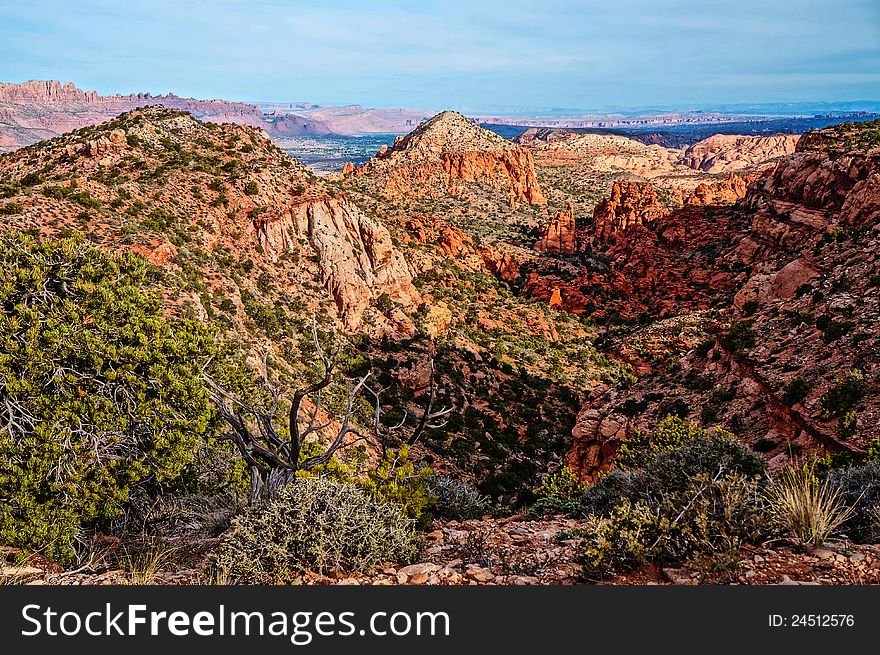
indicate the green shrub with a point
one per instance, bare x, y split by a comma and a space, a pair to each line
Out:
384, 303
251, 188
681, 449
101, 390
618, 542
672, 466
834, 330
795, 391
669, 434
396, 480
848, 424
615, 486
11, 208
686, 492
314, 524
561, 493
711, 516
846, 393
651, 468
717, 454
740, 337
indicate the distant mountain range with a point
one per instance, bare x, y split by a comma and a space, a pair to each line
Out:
40, 109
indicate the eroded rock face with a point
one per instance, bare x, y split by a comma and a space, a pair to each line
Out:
631, 203
724, 192
795, 266
597, 438
723, 153
558, 236
500, 264
783, 284
358, 261
816, 179
446, 153
452, 243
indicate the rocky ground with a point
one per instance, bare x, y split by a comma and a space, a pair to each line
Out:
515, 551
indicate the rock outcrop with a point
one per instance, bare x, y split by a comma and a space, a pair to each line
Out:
793, 273
558, 236
357, 259
447, 153
453, 244
600, 154
631, 203
724, 153
724, 192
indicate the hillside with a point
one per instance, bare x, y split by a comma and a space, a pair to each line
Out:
252, 241
789, 360
446, 155
206, 200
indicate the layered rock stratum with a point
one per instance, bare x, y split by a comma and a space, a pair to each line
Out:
723, 153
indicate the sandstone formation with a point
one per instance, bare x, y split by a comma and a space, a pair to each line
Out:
631, 203
794, 282
539, 136
358, 262
724, 192
595, 154
447, 153
724, 153
558, 235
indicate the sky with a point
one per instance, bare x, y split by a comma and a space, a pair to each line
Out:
473, 55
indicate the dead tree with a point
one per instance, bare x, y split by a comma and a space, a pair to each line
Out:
273, 461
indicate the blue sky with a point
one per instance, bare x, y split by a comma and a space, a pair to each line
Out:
474, 55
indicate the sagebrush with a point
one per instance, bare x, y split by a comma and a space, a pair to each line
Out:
315, 524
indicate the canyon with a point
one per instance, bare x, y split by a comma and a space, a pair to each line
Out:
791, 272
565, 292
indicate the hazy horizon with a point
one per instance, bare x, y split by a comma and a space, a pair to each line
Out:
477, 57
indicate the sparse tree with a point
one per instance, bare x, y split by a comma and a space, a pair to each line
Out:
274, 460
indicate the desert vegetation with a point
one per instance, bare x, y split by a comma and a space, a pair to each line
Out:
219, 368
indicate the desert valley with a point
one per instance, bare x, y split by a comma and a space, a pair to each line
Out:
603, 351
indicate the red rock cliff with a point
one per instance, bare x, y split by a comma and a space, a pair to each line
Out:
446, 153
631, 203
558, 235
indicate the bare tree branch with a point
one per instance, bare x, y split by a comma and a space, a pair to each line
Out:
274, 461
